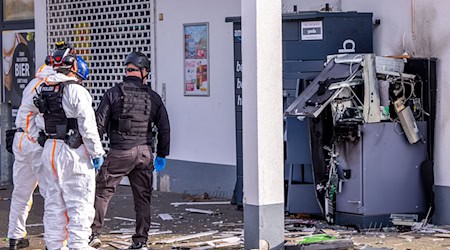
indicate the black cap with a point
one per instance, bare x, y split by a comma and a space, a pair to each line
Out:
138, 59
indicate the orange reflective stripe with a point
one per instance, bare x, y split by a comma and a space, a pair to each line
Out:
67, 223
53, 158
35, 86
40, 69
20, 141
28, 121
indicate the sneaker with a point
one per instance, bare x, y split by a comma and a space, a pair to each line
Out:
15, 244
139, 245
94, 241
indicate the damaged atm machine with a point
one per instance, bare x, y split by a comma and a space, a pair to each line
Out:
369, 124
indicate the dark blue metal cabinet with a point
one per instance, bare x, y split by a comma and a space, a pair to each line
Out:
308, 37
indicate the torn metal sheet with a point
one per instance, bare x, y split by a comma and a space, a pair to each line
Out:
312, 101
371, 91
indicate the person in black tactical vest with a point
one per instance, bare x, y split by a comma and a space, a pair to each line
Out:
127, 113
72, 151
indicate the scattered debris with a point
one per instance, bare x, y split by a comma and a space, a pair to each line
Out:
165, 216
200, 211
187, 237
223, 242
231, 225
330, 232
404, 219
231, 233
320, 241
160, 232
118, 245
123, 231
442, 235
125, 219
176, 204
300, 233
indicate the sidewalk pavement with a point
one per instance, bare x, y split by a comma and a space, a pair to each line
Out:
221, 225
120, 216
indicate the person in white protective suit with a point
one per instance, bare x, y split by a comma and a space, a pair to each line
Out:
27, 168
72, 152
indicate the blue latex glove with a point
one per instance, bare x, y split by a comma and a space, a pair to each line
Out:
160, 163
98, 162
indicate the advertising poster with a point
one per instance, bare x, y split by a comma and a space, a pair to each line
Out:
18, 64
196, 54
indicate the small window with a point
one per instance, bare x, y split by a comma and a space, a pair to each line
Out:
18, 10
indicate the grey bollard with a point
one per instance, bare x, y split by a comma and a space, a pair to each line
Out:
7, 158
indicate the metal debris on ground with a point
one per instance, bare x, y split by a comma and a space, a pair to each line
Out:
199, 211
125, 219
184, 238
118, 245
123, 231
160, 232
218, 243
319, 241
165, 216
217, 223
231, 224
176, 204
404, 219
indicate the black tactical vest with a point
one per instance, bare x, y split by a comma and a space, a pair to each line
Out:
134, 115
49, 102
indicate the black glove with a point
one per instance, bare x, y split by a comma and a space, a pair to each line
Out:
10, 139
42, 138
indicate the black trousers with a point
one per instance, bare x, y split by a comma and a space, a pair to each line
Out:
137, 164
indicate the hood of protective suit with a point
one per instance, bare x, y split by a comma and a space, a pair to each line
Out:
58, 77
44, 71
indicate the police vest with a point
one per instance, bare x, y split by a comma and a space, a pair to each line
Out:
49, 102
134, 114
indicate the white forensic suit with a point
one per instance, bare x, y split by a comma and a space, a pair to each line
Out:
69, 205
27, 168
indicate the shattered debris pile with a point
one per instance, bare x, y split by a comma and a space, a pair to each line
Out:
211, 224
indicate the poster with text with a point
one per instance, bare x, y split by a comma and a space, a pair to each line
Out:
18, 64
196, 60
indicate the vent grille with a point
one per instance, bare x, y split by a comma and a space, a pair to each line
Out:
103, 32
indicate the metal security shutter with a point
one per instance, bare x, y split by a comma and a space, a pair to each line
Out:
103, 32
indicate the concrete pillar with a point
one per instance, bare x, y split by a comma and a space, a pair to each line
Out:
40, 27
262, 124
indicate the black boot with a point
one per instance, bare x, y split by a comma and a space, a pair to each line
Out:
15, 244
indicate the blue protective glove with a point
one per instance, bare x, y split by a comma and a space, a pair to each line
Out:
160, 163
98, 162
